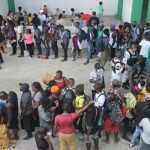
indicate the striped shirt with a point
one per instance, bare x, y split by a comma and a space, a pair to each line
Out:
130, 104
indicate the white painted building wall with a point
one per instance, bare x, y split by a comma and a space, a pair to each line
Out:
127, 10
3, 7
86, 6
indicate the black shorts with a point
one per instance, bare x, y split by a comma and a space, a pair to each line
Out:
14, 124
128, 123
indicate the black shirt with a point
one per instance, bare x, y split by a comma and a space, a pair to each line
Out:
92, 117
41, 143
94, 19
143, 111
13, 100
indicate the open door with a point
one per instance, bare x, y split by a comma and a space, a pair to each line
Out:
144, 11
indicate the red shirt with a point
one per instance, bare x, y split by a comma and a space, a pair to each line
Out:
66, 122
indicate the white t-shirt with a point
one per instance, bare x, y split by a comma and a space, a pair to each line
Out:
145, 45
19, 31
145, 123
99, 99
94, 76
37, 97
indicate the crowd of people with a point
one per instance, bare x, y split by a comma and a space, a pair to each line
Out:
62, 107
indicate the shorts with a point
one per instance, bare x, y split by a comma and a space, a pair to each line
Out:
100, 121
91, 137
104, 55
108, 125
128, 123
14, 124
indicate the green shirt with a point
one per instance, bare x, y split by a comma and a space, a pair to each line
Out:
100, 9
100, 33
148, 59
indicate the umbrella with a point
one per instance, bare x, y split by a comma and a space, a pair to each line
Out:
86, 17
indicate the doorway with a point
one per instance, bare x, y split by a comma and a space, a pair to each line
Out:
144, 11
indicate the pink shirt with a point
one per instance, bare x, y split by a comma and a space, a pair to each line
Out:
29, 38
66, 122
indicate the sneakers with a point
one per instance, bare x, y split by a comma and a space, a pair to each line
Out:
126, 139
12, 54
44, 58
63, 60
21, 56
27, 138
131, 145
39, 56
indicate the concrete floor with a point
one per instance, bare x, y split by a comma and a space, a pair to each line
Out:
19, 70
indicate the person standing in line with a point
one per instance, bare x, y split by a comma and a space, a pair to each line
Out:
12, 111
20, 38
90, 37
37, 37
45, 9
26, 109
29, 41
100, 10
64, 42
12, 38
45, 39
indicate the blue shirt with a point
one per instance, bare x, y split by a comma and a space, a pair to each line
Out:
80, 23
37, 35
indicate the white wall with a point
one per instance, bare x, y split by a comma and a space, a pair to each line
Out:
3, 7
86, 6
127, 10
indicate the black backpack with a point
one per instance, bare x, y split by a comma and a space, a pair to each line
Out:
69, 33
95, 31
69, 96
83, 35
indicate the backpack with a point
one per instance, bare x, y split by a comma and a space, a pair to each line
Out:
83, 35
69, 33
69, 96
95, 31
115, 114
100, 45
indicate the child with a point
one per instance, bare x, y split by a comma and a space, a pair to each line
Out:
79, 104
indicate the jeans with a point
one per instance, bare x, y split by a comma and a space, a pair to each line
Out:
21, 46
65, 48
38, 45
136, 134
90, 48
30, 49
67, 139
27, 124
14, 47
55, 48
47, 48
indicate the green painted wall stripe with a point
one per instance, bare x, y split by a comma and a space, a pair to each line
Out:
120, 7
136, 10
148, 12
11, 5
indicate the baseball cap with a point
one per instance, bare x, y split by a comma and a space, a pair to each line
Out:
101, 25
24, 86
147, 97
119, 54
116, 82
113, 26
54, 89
94, 13
133, 45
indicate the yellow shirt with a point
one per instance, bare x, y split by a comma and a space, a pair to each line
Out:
141, 96
130, 103
79, 101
